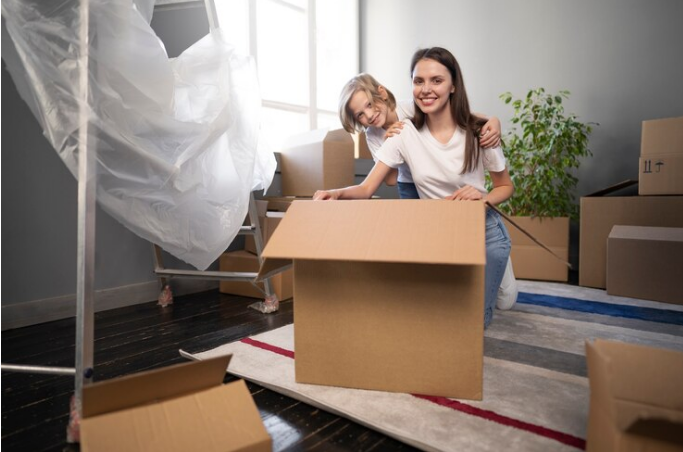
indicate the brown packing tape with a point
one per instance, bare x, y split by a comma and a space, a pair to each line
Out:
534, 239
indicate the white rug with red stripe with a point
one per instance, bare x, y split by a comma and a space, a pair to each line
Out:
536, 394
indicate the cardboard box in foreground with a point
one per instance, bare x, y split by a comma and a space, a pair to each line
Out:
529, 260
600, 213
177, 408
317, 160
636, 402
381, 306
646, 262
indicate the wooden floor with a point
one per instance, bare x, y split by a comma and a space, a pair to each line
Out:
132, 339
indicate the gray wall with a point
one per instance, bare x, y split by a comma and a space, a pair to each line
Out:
621, 60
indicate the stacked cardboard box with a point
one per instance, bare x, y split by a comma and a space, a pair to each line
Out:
317, 160
373, 297
660, 203
661, 157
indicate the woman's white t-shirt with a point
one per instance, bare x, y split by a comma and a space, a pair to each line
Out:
375, 138
435, 166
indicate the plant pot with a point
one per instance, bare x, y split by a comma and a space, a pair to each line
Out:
529, 260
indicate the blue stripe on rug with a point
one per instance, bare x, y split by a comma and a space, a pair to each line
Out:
614, 310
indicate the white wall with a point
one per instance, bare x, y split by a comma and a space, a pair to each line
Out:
622, 60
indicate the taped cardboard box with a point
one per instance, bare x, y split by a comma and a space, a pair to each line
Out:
636, 402
645, 262
529, 260
177, 408
661, 157
373, 297
599, 213
244, 261
317, 160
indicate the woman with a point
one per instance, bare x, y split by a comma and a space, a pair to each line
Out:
366, 106
440, 147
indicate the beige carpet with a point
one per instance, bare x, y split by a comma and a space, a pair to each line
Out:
535, 388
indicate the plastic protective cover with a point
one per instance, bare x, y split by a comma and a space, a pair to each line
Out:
176, 140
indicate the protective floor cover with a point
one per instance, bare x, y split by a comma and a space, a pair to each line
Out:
176, 140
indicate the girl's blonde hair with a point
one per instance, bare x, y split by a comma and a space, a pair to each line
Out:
367, 84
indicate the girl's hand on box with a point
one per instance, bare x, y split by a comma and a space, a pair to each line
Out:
326, 195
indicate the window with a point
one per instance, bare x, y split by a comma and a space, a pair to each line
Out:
305, 51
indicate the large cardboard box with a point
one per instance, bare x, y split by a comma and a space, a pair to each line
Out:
636, 402
244, 261
177, 408
646, 262
317, 160
661, 157
600, 213
529, 260
380, 305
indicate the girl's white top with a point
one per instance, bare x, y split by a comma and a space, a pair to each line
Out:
435, 166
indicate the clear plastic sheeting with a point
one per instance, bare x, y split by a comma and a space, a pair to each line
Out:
176, 140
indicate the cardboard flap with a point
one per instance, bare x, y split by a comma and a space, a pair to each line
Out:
272, 267
408, 231
159, 384
612, 188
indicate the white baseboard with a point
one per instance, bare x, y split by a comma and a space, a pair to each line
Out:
27, 313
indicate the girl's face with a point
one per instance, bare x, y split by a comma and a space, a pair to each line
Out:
365, 112
432, 86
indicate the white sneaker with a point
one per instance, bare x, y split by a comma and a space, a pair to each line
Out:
507, 292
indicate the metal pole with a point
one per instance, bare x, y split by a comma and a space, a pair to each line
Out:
39, 369
87, 186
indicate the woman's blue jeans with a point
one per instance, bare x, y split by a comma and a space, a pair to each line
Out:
497, 253
407, 190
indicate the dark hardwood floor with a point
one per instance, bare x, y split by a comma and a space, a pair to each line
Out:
35, 407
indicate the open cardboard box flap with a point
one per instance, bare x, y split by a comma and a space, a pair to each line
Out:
439, 232
177, 408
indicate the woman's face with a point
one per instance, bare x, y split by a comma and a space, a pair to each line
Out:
365, 112
432, 86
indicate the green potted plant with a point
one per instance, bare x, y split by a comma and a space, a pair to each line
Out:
543, 149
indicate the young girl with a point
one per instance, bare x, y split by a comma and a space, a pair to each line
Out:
440, 147
366, 106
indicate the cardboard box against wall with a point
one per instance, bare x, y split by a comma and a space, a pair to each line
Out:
268, 224
177, 408
363, 148
373, 298
636, 402
317, 160
661, 157
244, 261
645, 262
529, 260
600, 213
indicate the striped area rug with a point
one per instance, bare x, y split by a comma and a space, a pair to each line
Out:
535, 387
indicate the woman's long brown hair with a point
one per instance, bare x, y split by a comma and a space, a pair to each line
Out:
460, 106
